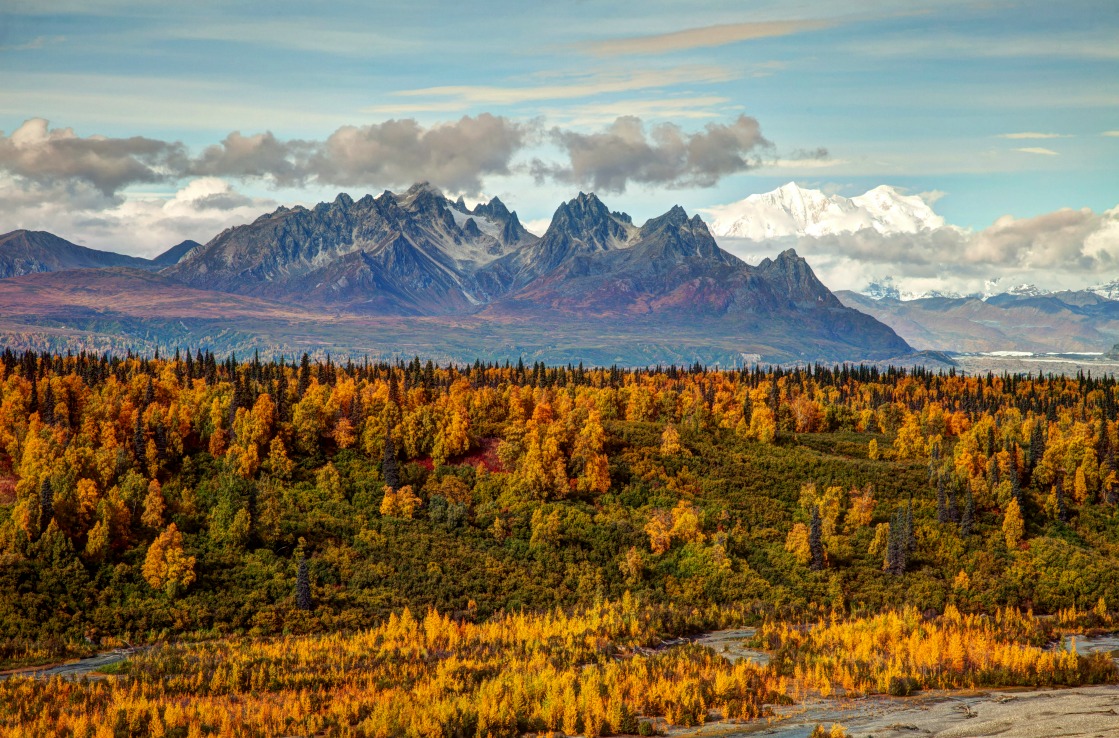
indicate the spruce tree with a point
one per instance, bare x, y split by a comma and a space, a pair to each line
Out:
941, 501
303, 585
815, 539
1060, 504
967, 517
390, 470
46, 504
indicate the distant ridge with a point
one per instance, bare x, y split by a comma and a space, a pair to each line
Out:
31, 252
174, 255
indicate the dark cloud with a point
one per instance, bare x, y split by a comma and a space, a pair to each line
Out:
456, 156
260, 155
39, 155
664, 155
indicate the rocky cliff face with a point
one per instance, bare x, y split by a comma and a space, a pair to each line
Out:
410, 253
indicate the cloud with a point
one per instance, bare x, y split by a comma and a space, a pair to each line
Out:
456, 97
676, 108
1113, 134
38, 154
1038, 150
664, 155
1064, 249
143, 226
260, 155
36, 43
1028, 135
706, 37
453, 155
457, 155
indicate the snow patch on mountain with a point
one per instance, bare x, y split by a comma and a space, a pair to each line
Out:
791, 210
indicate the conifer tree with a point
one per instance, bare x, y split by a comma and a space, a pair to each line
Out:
46, 504
303, 585
815, 539
967, 517
390, 470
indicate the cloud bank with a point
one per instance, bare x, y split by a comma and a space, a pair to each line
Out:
458, 156
625, 153
1064, 249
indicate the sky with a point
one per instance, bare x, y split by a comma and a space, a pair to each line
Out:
131, 126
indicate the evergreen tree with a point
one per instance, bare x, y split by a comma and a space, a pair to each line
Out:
46, 504
390, 470
303, 585
1060, 504
47, 411
967, 518
942, 515
816, 539
304, 375
896, 545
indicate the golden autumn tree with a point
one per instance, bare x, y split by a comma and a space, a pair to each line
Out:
154, 505
797, 543
167, 567
670, 441
1013, 527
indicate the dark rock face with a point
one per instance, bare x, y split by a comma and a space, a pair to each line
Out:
32, 252
412, 253
174, 254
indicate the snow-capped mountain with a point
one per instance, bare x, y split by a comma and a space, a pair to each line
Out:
792, 210
1107, 290
1025, 290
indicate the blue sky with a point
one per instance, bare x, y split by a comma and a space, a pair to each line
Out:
932, 96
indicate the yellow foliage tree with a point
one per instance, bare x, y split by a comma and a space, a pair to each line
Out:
659, 531
1013, 527
400, 503
167, 567
153, 506
797, 544
670, 441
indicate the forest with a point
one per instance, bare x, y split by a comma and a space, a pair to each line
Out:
242, 519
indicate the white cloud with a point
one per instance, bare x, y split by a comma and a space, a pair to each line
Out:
1029, 135
706, 37
1065, 249
143, 225
1038, 150
457, 97
1113, 134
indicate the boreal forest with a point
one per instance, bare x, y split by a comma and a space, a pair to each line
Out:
379, 549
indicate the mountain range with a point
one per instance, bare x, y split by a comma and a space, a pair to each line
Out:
414, 272
1024, 319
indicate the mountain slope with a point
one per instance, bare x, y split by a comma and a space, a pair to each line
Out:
1038, 323
174, 254
32, 252
791, 210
